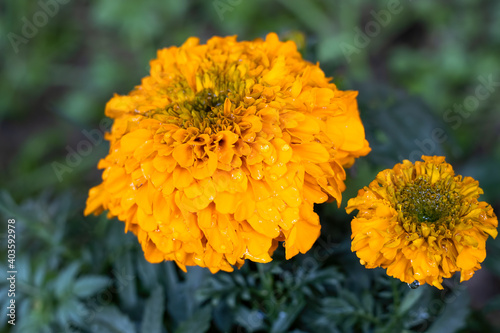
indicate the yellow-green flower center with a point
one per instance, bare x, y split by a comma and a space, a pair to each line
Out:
204, 106
423, 202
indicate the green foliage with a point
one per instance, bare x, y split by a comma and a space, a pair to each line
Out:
83, 274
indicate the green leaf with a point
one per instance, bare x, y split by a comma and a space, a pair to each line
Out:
147, 272
337, 306
287, 316
455, 312
69, 312
90, 284
11, 210
350, 298
152, 319
311, 15
367, 302
251, 320
111, 320
223, 317
198, 323
65, 279
411, 298
40, 275
127, 290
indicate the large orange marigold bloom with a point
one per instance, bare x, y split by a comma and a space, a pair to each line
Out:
422, 223
224, 149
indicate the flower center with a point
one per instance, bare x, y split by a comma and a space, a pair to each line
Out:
205, 108
422, 202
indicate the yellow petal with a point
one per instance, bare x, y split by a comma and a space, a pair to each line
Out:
135, 139
183, 154
311, 151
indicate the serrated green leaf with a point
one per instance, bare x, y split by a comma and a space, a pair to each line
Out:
152, 318
89, 285
198, 323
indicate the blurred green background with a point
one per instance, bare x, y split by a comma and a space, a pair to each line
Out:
428, 79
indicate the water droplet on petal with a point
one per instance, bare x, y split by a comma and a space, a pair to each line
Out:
265, 148
273, 177
237, 175
414, 285
285, 147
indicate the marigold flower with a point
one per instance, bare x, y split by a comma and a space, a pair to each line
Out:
422, 222
223, 150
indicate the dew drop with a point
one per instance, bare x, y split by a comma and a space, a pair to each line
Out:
414, 285
265, 148
273, 177
237, 175
285, 147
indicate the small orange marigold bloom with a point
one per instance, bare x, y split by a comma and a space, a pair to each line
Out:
223, 150
422, 223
